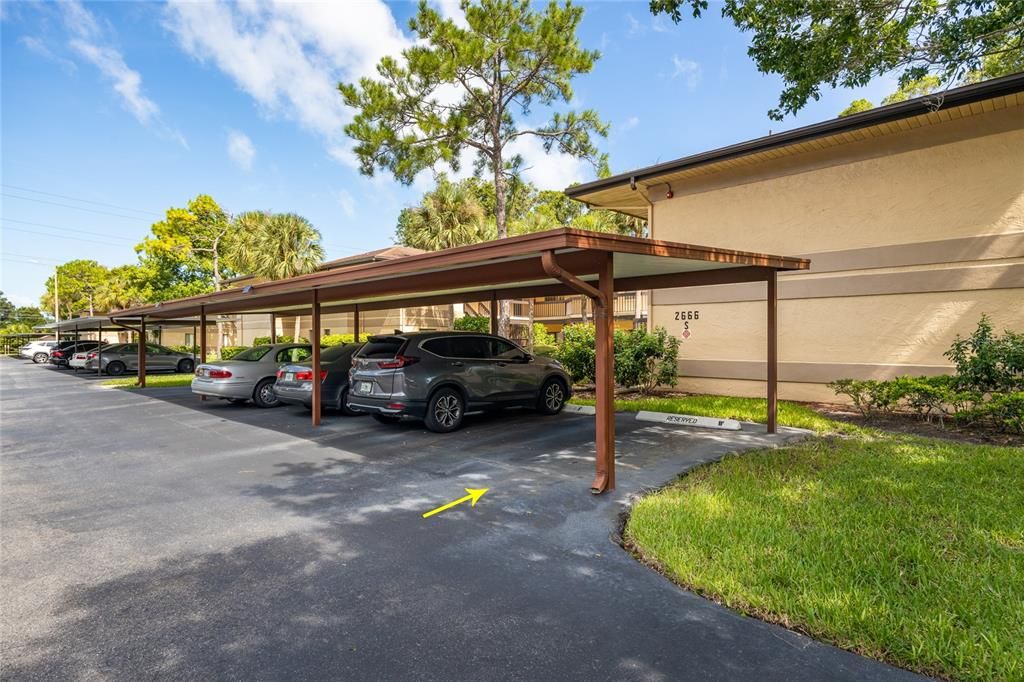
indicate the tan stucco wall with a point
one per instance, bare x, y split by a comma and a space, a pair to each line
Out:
916, 235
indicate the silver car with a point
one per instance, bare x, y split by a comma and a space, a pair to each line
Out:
124, 357
250, 375
440, 376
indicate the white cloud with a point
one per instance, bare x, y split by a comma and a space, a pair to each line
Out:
635, 27
89, 43
289, 57
452, 9
631, 122
38, 47
547, 171
688, 69
127, 82
240, 149
347, 202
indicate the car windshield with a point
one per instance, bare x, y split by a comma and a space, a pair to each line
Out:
253, 354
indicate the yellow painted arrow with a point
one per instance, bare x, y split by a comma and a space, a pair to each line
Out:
474, 495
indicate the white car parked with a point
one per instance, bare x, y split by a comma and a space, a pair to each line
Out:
80, 357
37, 351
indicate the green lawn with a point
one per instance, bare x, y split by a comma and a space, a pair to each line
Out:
906, 549
744, 409
152, 381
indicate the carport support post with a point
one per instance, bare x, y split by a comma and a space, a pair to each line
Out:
273, 327
604, 319
773, 350
494, 312
355, 324
314, 340
141, 383
76, 349
202, 338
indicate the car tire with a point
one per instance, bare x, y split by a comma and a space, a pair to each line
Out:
387, 418
263, 394
115, 368
445, 410
552, 396
186, 366
40, 358
343, 406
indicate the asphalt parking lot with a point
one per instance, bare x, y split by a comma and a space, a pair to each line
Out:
148, 534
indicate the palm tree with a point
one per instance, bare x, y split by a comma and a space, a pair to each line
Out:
450, 215
272, 246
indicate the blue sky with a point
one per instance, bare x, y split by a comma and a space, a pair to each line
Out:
113, 112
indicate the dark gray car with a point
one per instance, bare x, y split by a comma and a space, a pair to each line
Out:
440, 376
124, 357
294, 385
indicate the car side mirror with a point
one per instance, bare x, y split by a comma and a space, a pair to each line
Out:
525, 357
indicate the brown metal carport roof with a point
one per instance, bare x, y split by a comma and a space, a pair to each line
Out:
547, 263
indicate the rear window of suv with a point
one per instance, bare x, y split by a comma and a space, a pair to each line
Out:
382, 347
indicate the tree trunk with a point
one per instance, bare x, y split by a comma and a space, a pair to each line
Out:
298, 329
500, 189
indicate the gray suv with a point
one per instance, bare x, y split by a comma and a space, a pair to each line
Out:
440, 376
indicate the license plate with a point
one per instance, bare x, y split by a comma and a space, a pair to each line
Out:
364, 386
289, 376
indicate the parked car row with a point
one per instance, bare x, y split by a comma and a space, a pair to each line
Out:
436, 377
113, 359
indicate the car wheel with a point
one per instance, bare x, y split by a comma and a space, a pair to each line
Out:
345, 409
387, 418
445, 411
115, 368
40, 358
264, 396
552, 397
186, 366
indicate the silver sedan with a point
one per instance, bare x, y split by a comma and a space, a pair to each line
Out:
250, 375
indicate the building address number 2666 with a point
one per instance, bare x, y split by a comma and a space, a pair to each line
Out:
686, 317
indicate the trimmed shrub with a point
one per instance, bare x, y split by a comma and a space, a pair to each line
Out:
281, 338
644, 359
987, 362
576, 352
228, 352
341, 339
473, 323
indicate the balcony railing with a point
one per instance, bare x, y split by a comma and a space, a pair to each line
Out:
567, 308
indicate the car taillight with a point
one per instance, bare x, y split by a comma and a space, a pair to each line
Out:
90, 356
219, 374
57, 354
280, 373
307, 375
398, 362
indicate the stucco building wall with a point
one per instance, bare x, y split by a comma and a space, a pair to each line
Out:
911, 238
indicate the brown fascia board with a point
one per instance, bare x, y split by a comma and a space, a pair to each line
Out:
471, 256
997, 87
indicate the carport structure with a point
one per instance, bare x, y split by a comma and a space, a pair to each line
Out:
555, 262
75, 326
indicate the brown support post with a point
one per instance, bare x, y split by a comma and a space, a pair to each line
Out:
273, 327
202, 338
355, 324
773, 351
141, 383
314, 340
494, 312
604, 319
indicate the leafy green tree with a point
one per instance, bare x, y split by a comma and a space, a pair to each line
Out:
460, 89
185, 251
473, 323
78, 283
126, 286
917, 88
7, 309
856, 107
449, 215
1003, 62
812, 43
